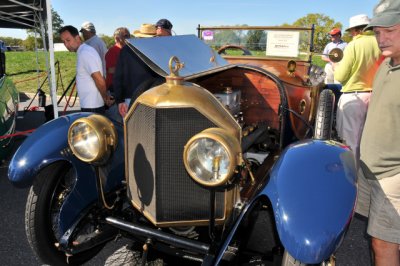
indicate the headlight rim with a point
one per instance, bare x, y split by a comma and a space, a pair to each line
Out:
105, 132
228, 142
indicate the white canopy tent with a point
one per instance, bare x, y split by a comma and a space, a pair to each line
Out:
32, 14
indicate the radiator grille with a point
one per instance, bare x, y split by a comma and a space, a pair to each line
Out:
158, 182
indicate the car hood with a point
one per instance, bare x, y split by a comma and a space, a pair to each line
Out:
197, 56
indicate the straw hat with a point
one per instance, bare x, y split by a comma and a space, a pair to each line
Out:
145, 31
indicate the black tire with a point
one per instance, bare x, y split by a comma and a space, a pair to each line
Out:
49, 186
126, 256
324, 116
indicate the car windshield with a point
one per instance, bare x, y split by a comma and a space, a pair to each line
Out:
270, 42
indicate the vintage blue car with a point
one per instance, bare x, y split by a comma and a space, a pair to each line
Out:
224, 163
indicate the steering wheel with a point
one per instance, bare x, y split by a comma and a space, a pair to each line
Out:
233, 47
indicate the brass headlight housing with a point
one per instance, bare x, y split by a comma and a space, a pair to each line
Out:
211, 157
92, 139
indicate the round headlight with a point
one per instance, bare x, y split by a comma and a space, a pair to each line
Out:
92, 138
210, 157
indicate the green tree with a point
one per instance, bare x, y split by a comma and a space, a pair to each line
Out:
29, 43
9, 41
108, 40
222, 37
323, 24
57, 24
57, 21
256, 40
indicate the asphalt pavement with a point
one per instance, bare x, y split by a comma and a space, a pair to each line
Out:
14, 247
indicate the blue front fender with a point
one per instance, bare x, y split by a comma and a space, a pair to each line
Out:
48, 145
313, 191
44, 146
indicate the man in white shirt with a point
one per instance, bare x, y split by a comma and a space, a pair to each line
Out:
336, 42
89, 35
90, 82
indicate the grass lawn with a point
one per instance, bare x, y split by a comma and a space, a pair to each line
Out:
28, 70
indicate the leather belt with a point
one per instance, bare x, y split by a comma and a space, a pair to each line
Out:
347, 92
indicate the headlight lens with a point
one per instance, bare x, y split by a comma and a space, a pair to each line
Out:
92, 138
85, 141
210, 157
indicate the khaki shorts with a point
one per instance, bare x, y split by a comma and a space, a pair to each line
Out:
383, 205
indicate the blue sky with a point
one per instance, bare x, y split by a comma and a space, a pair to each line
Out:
186, 15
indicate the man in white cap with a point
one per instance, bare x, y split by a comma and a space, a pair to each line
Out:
356, 72
380, 142
89, 35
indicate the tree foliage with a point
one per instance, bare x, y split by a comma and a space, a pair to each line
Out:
225, 37
57, 21
109, 41
256, 40
323, 24
30, 45
10, 41
57, 24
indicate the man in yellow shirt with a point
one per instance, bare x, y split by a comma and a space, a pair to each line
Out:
356, 72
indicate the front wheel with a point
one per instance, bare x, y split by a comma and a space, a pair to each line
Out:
45, 199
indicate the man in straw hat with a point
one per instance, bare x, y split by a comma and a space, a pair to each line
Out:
131, 71
145, 31
380, 142
356, 72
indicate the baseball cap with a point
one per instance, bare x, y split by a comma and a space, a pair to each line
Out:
88, 26
335, 31
164, 23
386, 14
